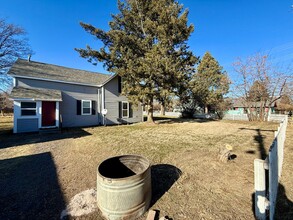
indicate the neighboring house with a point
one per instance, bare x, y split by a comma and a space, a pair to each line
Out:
239, 107
50, 96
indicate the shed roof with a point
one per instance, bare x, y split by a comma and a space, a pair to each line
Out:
32, 69
238, 103
36, 94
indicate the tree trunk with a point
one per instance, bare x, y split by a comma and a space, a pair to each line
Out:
150, 112
264, 111
206, 110
268, 113
250, 114
163, 110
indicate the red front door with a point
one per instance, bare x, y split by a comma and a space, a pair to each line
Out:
48, 114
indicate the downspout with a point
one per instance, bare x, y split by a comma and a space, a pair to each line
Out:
99, 110
103, 103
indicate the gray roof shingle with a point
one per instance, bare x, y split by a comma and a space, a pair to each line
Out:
241, 103
52, 72
36, 94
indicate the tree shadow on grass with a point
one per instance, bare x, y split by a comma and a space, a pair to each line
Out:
30, 188
163, 177
284, 207
259, 139
170, 120
6, 131
13, 140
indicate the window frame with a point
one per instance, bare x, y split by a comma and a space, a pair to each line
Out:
122, 109
82, 107
28, 109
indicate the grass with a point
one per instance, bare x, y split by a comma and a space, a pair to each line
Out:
6, 125
206, 188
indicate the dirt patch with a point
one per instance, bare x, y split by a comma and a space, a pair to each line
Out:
83, 203
196, 185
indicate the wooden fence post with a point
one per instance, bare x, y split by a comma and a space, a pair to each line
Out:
260, 189
274, 164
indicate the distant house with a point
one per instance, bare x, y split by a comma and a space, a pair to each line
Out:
239, 107
49, 96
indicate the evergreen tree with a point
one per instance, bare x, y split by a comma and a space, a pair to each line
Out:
258, 92
210, 83
285, 104
147, 46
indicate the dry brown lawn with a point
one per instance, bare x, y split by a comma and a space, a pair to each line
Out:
41, 173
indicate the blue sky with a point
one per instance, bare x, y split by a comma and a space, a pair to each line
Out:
227, 28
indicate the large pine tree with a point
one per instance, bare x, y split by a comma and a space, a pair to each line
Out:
210, 83
147, 46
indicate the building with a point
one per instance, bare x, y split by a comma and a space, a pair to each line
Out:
47, 96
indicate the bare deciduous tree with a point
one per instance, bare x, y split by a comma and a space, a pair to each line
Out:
260, 85
13, 45
6, 104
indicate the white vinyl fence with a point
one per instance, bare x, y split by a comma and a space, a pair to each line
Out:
170, 114
276, 117
265, 198
243, 117
238, 117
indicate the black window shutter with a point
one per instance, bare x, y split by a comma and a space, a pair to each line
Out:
130, 110
120, 110
119, 84
94, 106
78, 107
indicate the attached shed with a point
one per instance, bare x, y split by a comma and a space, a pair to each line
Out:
35, 109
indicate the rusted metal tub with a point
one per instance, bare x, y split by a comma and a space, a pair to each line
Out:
124, 187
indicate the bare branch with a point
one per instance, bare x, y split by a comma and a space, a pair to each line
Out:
261, 84
13, 44
140, 16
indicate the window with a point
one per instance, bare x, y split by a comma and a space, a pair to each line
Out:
86, 107
125, 109
28, 108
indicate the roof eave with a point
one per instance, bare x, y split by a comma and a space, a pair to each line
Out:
52, 80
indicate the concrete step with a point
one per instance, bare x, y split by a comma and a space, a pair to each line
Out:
53, 130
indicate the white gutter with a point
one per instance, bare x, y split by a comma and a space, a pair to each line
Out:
32, 99
23, 99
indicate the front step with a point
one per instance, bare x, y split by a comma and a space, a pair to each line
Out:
50, 130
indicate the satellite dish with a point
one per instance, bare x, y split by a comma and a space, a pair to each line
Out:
104, 111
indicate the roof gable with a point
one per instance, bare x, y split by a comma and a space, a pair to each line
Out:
44, 71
